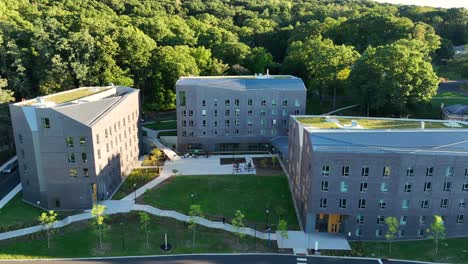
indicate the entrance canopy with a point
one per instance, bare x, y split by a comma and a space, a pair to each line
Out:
281, 144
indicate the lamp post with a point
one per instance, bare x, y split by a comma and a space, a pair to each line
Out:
191, 197
38, 203
267, 213
134, 190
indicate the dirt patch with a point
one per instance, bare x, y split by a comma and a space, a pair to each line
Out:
267, 166
226, 161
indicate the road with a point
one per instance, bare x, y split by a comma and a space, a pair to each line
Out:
214, 259
8, 182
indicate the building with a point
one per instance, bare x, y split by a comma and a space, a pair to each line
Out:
455, 112
75, 147
347, 174
235, 113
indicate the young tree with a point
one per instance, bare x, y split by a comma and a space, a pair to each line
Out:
144, 221
48, 220
98, 214
195, 210
156, 154
274, 161
238, 223
392, 232
437, 231
283, 228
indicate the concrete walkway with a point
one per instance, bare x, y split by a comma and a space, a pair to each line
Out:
153, 137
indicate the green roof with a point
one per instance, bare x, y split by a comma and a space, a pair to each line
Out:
73, 95
336, 122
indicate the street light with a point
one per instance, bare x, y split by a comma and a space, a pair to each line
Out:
267, 213
38, 203
191, 196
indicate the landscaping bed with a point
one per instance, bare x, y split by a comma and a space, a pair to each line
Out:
125, 237
267, 166
221, 195
140, 177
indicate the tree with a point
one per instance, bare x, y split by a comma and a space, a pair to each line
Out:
6, 96
388, 79
258, 60
98, 214
437, 231
48, 220
392, 229
156, 154
195, 211
144, 221
283, 228
238, 223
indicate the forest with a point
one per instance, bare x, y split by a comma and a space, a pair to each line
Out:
379, 56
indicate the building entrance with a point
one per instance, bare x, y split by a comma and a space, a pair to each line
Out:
330, 223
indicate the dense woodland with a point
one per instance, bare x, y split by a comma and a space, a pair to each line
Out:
381, 56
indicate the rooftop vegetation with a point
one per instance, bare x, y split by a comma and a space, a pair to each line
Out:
73, 95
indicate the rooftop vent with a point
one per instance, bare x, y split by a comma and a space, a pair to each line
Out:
354, 123
423, 125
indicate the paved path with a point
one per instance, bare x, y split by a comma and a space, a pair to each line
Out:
153, 137
214, 259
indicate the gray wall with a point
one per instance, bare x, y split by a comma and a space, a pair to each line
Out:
209, 140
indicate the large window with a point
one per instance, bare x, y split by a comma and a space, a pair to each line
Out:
405, 204
365, 171
343, 203
182, 98
427, 186
425, 204
69, 141
363, 188
84, 157
429, 171
345, 171
447, 186
324, 186
85, 172
449, 171
444, 203
383, 187
382, 204
408, 187
362, 203
71, 157
410, 171
325, 170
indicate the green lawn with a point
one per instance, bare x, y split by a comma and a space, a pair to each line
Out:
162, 125
126, 238
167, 134
18, 214
139, 177
222, 195
454, 250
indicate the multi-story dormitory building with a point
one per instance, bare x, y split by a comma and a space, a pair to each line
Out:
347, 174
75, 147
236, 113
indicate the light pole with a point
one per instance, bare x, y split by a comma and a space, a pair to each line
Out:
191, 197
38, 204
267, 213
134, 190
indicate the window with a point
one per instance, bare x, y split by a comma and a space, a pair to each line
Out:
380, 219
407, 187
262, 113
85, 172
273, 102
82, 141
465, 186
296, 112
466, 172
429, 171
460, 219
296, 103
215, 102
325, 170
203, 102
226, 123
378, 232
345, 171
447, 186
285, 112
284, 122
383, 187
427, 186
249, 123
203, 112
71, 157
343, 203
215, 112
69, 141
360, 219
97, 138
190, 113
263, 103
107, 147
403, 220
274, 112
182, 98
227, 102
249, 102
405, 204
449, 171
249, 112
226, 132
363, 188
323, 203
444, 203
420, 232
386, 171
358, 232
401, 233
382, 204
99, 153
184, 113
236, 112
365, 171
236, 102
236, 132
73, 172
362, 203
45, 122
184, 123
20, 138
462, 204
343, 187
324, 186
422, 219
410, 171
84, 157
226, 112
285, 102
249, 131
273, 122
425, 204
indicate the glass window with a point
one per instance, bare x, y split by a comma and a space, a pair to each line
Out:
429, 171
45, 122
227, 102
408, 187
285, 102
73, 172
236, 102
203, 112
182, 98
405, 204
203, 102
343, 187
296, 103
215, 112
383, 187
449, 171
226, 112
365, 171
285, 112
403, 220
85, 172
401, 233
410, 171
284, 122
184, 113
71, 157
324, 186
386, 171
363, 188
273, 102
20, 138
362, 203
99, 153
462, 204
237, 112
444, 203
69, 141
343, 203
378, 232
323, 203
427, 186
262, 113
382, 204
215, 102
263, 102
82, 141
447, 186
380, 219
422, 219
345, 171
84, 157
249, 112
460, 219
204, 123
420, 232
360, 219
249, 101
325, 170
274, 112
425, 204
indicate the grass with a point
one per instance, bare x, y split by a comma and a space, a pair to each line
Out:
456, 68
317, 122
139, 177
221, 195
162, 125
167, 134
453, 250
73, 95
125, 237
